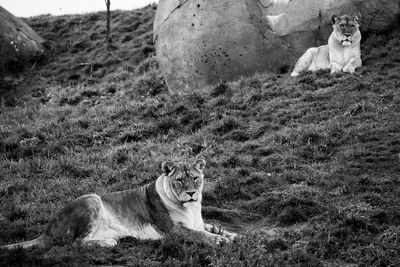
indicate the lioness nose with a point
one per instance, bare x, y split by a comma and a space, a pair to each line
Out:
190, 193
347, 34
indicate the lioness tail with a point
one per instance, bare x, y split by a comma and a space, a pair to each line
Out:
39, 241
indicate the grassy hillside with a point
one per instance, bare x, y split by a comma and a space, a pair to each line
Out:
307, 170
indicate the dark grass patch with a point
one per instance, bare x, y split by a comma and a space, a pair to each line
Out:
7, 92
263, 129
339, 240
17, 232
121, 156
138, 135
197, 124
238, 136
319, 145
75, 171
193, 120
302, 258
195, 100
254, 99
89, 93
166, 125
150, 84
387, 217
147, 65
231, 188
15, 189
10, 149
296, 210
276, 244
216, 214
20, 257
163, 126
263, 205
176, 251
293, 176
226, 126
73, 101
15, 214
256, 250
285, 210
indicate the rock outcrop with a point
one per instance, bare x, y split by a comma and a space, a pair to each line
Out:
202, 42
18, 42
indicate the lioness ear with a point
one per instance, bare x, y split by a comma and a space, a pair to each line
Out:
167, 167
357, 17
200, 163
334, 19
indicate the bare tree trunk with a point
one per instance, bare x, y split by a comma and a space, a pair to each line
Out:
108, 37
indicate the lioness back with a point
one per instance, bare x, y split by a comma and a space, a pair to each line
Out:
342, 53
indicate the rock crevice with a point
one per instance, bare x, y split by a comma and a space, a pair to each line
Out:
181, 3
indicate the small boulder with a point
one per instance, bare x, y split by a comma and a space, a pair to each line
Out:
18, 42
203, 42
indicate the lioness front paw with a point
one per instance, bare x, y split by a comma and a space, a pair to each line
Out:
230, 236
107, 243
349, 69
336, 69
218, 239
100, 242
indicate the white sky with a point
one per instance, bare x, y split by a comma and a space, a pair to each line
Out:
27, 8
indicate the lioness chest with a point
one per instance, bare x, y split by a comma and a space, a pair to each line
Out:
190, 216
342, 55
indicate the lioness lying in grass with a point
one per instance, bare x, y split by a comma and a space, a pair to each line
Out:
342, 53
170, 205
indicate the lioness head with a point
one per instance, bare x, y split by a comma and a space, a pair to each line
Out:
346, 29
184, 182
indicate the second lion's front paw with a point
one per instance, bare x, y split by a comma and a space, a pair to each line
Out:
230, 236
336, 69
349, 69
218, 239
108, 243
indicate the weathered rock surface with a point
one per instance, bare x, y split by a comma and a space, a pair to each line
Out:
202, 42
18, 42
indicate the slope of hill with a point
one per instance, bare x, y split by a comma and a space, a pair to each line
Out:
306, 170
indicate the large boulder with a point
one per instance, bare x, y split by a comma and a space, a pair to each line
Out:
18, 42
202, 42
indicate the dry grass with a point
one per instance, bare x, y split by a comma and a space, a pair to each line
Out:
306, 169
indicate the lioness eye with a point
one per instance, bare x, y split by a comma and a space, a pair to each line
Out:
195, 178
179, 180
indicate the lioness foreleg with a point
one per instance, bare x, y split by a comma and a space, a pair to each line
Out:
196, 235
220, 231
352, 65
336, 67
99, 242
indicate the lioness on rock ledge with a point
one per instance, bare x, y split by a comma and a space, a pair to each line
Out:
169, 205
342, 53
